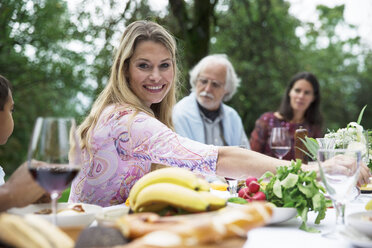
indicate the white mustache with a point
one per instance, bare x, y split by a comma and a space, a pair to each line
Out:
203, 93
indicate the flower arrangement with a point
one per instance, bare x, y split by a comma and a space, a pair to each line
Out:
354, 136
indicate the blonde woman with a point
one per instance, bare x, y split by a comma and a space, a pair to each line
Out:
130, 125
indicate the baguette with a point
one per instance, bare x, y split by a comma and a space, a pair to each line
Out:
194, 229
32, 232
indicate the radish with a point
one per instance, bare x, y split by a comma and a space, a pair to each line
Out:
254, 187
259, 196
249, 180
244, 193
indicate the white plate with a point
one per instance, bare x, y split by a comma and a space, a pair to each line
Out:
64, 218
110, 214
361, 221
279, 214
356, 238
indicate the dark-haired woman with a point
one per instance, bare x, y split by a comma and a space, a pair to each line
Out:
299, 107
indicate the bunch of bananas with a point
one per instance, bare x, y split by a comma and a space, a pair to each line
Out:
173, 187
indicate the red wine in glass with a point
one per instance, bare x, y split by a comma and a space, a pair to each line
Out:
54, 156
54, 179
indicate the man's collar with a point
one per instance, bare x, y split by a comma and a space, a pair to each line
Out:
211, 115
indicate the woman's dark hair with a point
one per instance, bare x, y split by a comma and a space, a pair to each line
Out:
5, 86
312, 114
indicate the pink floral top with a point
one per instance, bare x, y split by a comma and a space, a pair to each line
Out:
123, 146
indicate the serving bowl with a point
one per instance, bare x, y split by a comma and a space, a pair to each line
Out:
65, 216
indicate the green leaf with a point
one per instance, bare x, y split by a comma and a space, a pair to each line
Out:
289, 181
277, 189
312, 146
307, 190
267, 174
306, 228
361, 115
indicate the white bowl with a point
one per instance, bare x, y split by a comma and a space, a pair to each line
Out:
282, 214
109, 215
362, 221
64, 218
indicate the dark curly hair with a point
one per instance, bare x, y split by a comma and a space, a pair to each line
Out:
5, 86
312, 114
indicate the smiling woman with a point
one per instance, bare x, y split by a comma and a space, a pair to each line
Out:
151, 72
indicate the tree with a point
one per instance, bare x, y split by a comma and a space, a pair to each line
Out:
45, 73
340, 70
259, 37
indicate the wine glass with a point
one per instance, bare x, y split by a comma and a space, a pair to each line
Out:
280, 143
339, 171
53, 156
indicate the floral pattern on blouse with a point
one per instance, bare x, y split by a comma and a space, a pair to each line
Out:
260, 135
123, 147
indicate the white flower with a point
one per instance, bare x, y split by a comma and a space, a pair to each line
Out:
351, 137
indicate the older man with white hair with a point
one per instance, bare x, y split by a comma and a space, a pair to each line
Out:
202, 115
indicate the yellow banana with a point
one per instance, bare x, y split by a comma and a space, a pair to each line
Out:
214, 201
173, 195
155, 207
203, 185
175, 175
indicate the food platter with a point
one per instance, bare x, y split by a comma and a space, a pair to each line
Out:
279, 214
65, 216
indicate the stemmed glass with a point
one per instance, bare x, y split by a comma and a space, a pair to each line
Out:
326, 143
53, 156
280, 143
339, 171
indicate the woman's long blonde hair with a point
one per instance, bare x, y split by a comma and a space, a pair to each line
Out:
118, 91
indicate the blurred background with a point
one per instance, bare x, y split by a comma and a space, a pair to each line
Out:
57, 54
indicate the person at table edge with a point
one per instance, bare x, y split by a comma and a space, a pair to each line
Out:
20, 189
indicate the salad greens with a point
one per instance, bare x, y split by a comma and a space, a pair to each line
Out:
293, 187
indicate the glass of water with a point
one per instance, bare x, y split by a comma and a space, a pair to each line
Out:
339, 171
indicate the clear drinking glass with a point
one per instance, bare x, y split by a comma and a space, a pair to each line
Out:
339, 171
280, 142
326, 143
54, 156
233, 182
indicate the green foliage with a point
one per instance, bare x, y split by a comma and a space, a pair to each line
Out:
45, 74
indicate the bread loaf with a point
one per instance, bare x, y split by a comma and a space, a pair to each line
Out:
31, 232
195, 229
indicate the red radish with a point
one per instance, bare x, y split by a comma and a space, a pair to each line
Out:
259, 196
249, 180
244, 193
254, 187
